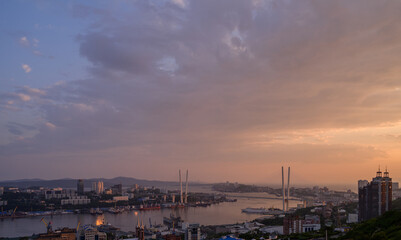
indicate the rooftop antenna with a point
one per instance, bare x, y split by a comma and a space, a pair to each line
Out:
379, 173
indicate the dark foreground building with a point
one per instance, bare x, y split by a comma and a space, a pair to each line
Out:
375, 197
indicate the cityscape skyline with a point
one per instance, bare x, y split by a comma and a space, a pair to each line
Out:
230, 90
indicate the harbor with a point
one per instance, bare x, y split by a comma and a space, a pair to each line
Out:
215, 214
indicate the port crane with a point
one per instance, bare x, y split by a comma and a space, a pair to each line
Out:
79, 223
48, 225
13, 213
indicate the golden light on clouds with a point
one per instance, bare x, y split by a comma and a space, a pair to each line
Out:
231, 94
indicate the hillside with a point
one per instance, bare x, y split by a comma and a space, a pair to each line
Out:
387, 226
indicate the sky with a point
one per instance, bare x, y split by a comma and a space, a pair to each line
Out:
230, 90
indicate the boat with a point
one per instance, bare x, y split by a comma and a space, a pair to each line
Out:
270, 211
149, 207
113, 210
255, 210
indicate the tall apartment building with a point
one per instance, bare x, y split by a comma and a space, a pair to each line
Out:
375, 198
98, 187
80, 187
193, 232
117, 189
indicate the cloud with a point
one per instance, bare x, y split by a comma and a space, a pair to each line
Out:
26, 68
37, 53
18, 129
197, 82
35, 42
24, 97
50, 125
180, 3
32, 91
24, 41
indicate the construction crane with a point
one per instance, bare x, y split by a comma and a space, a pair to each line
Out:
48, 225
79, 223
15, 209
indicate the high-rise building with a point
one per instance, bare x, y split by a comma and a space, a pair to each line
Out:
375, 198
362, 183
117, 189
80, 187
98, 187
193, 232
140, 231
94, 186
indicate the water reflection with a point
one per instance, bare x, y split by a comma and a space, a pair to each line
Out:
99, 220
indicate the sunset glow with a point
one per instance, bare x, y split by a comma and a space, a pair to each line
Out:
231, 90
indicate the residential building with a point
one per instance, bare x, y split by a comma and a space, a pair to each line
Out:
117, 189
80, 187
193, 232
62, 234
294, 224
89, 232
98, 187
352, 218
58, 193
376, 197
76, 200
362, 183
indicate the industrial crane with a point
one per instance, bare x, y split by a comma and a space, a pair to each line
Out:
48, 225
15, 209
79, 223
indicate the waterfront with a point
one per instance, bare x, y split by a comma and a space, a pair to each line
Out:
223, 213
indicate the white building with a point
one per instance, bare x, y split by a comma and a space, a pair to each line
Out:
60, 193
76, 200
352, 218
309, 227
120, 198
273, 229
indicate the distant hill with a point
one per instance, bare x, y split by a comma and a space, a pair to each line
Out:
387, 226
72, 183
